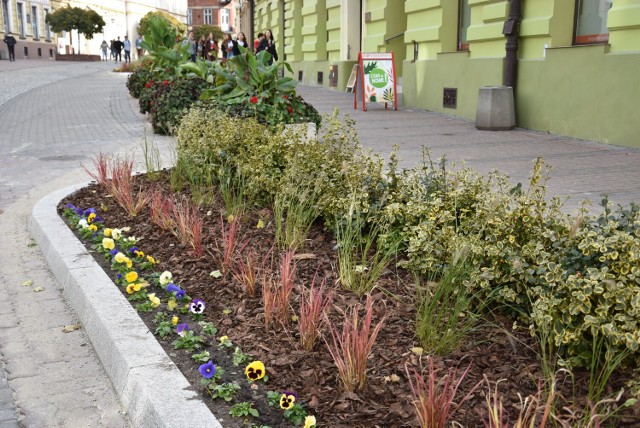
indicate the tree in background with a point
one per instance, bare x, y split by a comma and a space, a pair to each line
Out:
178, 27
204, 30
85, 21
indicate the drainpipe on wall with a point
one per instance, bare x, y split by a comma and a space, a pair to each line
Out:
252, 7
512, 30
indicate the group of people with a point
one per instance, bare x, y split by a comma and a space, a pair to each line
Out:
209, 49
116, 47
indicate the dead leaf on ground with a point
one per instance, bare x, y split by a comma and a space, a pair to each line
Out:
27, 283
71, 327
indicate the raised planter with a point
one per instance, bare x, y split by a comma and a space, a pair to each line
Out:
81, 57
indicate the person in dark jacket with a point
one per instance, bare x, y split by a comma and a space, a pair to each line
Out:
117, 49
11, 45
241, 40
269, 45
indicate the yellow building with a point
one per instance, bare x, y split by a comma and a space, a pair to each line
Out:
577, 68
25, 20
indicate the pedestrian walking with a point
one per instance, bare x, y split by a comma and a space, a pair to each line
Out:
117, 49
112, 49
257, 41
212, 50
127, 49
269, 45
139, 46
11, 44
192, 46
104, 46
241, 40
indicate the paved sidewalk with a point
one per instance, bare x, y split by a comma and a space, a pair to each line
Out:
53, 117
581, 169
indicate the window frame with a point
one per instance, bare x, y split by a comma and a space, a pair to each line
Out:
7, 19
587, 39
460, 45
207, 16
35, 22
22, 26
189, 16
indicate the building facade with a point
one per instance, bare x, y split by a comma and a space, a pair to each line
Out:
220, 13
578, 61
26, 20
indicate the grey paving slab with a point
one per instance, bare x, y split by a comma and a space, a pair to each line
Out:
580, 169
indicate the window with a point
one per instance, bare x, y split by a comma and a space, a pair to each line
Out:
208, 16
224, 19
5, 16
21, 25
464, 19
47, 28
189, 17
35, 30
591, 21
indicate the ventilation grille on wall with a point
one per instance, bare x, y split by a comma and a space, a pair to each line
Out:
299, 75
450, 98
320, 77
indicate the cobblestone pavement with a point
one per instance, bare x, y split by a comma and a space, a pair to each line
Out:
580, 169
53, 118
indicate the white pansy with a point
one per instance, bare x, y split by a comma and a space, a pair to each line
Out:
165, 277
83, 223
116, 234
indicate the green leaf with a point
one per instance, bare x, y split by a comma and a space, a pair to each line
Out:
370, 66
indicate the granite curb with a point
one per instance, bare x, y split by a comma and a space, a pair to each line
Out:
150, 386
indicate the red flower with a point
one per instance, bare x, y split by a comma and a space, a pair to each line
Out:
148, 85
253, 100
290, 109
165, 83
285, 97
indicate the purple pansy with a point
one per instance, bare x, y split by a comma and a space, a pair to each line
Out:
180, 294
89, 211
79, 212
114, 251
197, 306
133, 250
171, 287
71, 206
207, 370
182, 329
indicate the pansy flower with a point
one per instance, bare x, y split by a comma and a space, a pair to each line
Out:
182, 329
133, 287
171, 304
207, 370
309, 422
155, 301
93, 227
197, 307
83, 223
165, 277
108, 244
91, 217
288, 399
255, 371
114, 251
107, 232
116, 234
174, 320
131, 276
120, 258
151, 260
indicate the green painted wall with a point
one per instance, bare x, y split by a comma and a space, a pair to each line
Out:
589, 92
582, 91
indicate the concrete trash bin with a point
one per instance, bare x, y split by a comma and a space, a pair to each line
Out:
496, 111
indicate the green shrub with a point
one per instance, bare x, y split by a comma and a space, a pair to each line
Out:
140, 76
170, 98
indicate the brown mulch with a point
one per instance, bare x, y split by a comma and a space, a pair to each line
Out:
493, 351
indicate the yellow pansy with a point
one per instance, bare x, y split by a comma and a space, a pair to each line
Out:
129, 263
151, 260
107, 232
255, 370
155, 301
310, 422
93, 227
174, 320
108, 243
139, 253
131, 276
171, 304
120, 258
91, 217
133, 287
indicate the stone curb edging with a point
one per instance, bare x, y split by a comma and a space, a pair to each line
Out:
150, 386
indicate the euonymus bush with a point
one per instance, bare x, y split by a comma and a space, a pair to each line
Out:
576, 277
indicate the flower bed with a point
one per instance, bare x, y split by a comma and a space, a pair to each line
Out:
239, 319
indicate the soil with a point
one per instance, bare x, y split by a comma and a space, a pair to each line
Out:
493, 352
